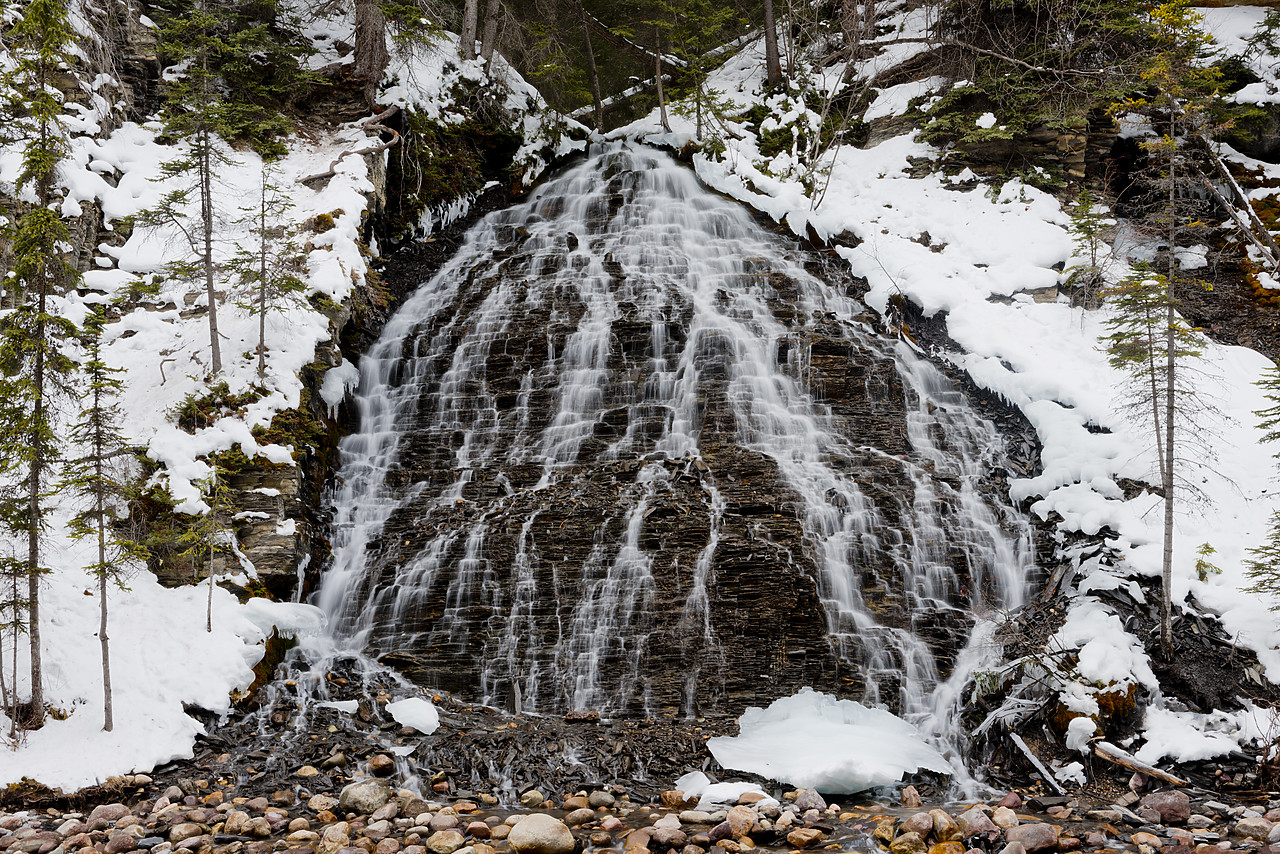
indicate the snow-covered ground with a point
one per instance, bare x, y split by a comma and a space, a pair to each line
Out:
989, 246
162, 656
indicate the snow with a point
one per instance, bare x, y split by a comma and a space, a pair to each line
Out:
698, 785
338, 383
417, 712
816, 741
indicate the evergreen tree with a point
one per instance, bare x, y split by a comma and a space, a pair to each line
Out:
1263, 565
32, 365
1150, 343
271, 272
1088, 221
94, 477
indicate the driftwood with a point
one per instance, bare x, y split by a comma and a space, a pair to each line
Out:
1111, 753
373, 123
1036, 763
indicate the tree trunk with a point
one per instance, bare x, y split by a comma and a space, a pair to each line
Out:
657, 66
470, 22
262, 280
204, 142
592, 74
489, 39
772, 63
35, 476
371, 56
101, 511
1170, 344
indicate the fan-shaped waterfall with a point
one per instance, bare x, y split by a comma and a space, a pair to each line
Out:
625, 453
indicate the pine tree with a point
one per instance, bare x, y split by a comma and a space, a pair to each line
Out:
94, 477
271, 273
1150, 343
1088, 221
32, 365
1263, 565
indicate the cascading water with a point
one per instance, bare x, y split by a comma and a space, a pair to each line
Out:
625, 453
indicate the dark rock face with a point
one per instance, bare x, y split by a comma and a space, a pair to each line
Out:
625, 453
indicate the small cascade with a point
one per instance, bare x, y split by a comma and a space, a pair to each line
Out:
625, 453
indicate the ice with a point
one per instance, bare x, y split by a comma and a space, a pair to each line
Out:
696, 784
814, 740
416, 712
288, 618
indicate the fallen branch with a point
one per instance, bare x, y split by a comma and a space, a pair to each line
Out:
1111, 753
373, 123
1036, 763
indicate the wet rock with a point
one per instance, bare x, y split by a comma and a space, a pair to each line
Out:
1199, 822
611, 824
1014, 848
184, 830
322, 802
908, 843
1038, 836
364, 797
382, 765
805, 837
920, 823
541, 834
1011, 801
478, 830
334, 838
583, 815
600, 798
720, 832
885, 830
257, 804
1004, 818
442, 821
809, 799
945, 828
911, 798
390, 845
975, 822
307, 771
947, 848
1150, 840
667, 837
531, 798
741, 820
695, 817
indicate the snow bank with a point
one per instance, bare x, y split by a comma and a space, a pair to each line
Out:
417, 712
815, 741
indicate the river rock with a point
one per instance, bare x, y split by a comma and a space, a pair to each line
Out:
445, 842
945, 828
1148, 840
119, 842
908, 843
920, 823
911, 798
106, 814
364, 797
1012, 801
805, 837
531, 798
478, 830
1254, 828
582, 815
390, 845
442, 821
1004, 818
809, 799
741, 820
947, 848
695, 817
335, 837
1037, 836
600, 798
541, 834
975, 822
720, 832
668, 837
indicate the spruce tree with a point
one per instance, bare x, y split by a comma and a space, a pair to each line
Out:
94, 477
1263, 565
1152, 345
33, 367
271, 272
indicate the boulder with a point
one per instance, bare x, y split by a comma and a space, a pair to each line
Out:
1254, 828
805, 837
582, 815
741, 820
600, 798
908, 843
1173, 806
809, 799
445, 842
920, 824
945, 828
541, 834
975, 822
1037, 836
1005, 818
911, 798
531, 798
364, 797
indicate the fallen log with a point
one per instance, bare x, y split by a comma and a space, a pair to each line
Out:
1111, 753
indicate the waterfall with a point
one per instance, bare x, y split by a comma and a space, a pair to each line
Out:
625, 453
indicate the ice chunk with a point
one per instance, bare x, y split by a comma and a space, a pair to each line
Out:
815, 741
338, 381
416, 712
695, 784
290, 618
